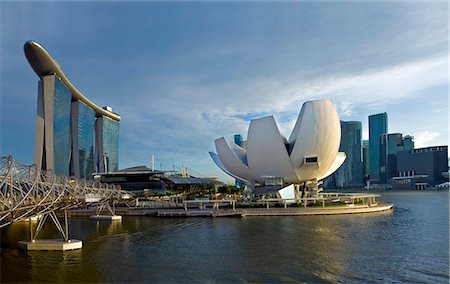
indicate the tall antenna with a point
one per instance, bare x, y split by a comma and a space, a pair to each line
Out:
153, 163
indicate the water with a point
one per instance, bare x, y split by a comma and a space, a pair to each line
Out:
409, 244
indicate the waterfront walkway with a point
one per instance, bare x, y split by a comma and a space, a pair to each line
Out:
243, 212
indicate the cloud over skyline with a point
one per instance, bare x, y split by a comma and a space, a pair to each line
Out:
183, 74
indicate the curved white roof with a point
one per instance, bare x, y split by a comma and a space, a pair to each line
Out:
43, 64
310, 153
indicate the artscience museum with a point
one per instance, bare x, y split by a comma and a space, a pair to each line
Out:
309, 155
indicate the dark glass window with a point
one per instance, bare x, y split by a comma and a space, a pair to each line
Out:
311, 160
61, 128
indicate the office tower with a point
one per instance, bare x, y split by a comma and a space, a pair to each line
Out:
378, 125
366, 159
83, 129
350, 174
241, 143
238, 139
390, 145
107, 143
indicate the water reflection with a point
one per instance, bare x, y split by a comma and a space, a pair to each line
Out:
407, 244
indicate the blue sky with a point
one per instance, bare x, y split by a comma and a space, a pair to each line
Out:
182, 74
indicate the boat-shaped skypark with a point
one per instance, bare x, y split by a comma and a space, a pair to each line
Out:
74, 136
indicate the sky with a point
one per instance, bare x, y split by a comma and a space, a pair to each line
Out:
182, 74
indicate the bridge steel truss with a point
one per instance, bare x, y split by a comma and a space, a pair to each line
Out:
27, 191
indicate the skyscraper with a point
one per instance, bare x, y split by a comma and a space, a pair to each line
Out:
378, 125
391, 144
107, 143
238, 139
241, 143
351, 171
83, 128
366, 159
74, 136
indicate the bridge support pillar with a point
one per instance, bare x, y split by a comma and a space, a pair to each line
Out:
50, 244
112, 217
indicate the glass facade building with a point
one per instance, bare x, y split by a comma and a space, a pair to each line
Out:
238, 139
66, 133
378, 125
241, 143
391, 144
366, 159
62, 99
66, 122
350, 174
110, 144
85, 149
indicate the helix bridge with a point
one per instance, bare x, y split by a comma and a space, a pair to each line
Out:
28, 192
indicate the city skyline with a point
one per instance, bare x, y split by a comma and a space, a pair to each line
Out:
183, 74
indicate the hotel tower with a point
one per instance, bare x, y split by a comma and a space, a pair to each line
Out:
74, 136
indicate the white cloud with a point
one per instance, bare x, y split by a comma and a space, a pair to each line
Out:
203, 90
425, 138
383, 86
345, 109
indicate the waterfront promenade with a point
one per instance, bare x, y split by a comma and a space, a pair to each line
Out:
242, 212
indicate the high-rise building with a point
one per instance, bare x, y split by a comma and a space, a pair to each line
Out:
423, 167
238, 139
378, 125
83, 129
390, 145
241, 143
350, 174
74, 136
408, 142
107, 143
366, 159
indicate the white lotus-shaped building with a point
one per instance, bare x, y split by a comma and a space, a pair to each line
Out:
311, 153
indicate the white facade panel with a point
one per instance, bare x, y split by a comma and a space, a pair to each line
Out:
240, 152
288, 193
338, 161
318, 135
234, 164
266, 150
216, 160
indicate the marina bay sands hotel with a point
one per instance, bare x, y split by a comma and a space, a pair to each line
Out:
74, 136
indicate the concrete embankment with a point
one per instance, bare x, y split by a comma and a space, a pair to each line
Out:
242, 212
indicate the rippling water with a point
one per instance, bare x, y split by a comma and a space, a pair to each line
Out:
408, 244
